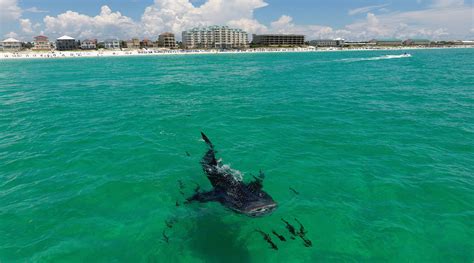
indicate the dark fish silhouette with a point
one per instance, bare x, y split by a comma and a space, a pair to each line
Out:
245, 198
307, 242
165, 237
187, 154
290, 228
302, 232
177, 203
268, 239
170, 223
294, 191
282, 238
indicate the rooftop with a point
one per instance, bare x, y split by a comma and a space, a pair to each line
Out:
11, 40
65, 38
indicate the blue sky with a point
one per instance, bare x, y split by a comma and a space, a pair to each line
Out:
350, 19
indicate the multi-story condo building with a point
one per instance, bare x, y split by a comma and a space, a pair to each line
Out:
278, 40
215, 37
10, 44
66, 43
89, 44
111, 44
167, 40
41, 43
327, 43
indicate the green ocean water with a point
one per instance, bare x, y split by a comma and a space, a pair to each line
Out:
380, 149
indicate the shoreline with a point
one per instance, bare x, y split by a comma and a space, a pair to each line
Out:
126, 53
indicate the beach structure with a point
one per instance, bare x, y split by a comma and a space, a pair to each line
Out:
417, 42
10, 44
278, 40
222, 37
339, 42
41, 43
146, 43
89, 44
387, 42
111, 44
133, 43
66, 43
167, 40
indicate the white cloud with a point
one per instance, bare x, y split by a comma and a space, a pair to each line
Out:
442, 19
447, 3
365, 9
35, 9
106, 24
9, 10
11, 34
179, 15
26, 26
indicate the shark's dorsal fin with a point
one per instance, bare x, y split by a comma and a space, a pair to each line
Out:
204, 137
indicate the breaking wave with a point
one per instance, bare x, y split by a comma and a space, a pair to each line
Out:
376, 58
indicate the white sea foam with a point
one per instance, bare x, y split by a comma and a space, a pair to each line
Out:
376, 58
225, 168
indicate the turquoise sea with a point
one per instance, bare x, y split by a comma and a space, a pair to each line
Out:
380, 149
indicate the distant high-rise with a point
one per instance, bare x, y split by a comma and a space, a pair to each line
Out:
278, 40
167, 40
215, 37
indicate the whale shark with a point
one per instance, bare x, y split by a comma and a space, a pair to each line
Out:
230, 190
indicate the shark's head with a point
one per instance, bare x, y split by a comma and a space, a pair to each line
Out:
260, 204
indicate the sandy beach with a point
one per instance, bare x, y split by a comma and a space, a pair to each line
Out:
160, 52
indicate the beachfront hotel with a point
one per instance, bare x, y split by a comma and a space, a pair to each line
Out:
10, 44
41, 43
278, 40
222, 37
66, 43
133, 43
167, 40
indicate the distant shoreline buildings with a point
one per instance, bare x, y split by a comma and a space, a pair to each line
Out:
213, 37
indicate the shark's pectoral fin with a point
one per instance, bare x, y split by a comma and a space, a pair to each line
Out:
203, 197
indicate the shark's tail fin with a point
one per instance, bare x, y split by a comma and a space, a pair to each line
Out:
209, 143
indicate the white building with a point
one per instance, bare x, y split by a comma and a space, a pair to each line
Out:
111, 44
215, 37
10, 44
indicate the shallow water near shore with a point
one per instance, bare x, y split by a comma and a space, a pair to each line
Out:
380, 151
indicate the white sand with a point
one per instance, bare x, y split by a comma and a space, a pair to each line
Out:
159, 52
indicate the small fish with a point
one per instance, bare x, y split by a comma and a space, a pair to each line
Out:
177, 203
169, 223
165, 237
181, 192
181, 184
282, 238
290, 228
187, 154
294, 191
302, 232
307, 242
197, 188
267, 238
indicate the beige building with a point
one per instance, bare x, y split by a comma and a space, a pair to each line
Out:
10, 44
134, 43
41, 43
215, 37
167, 40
